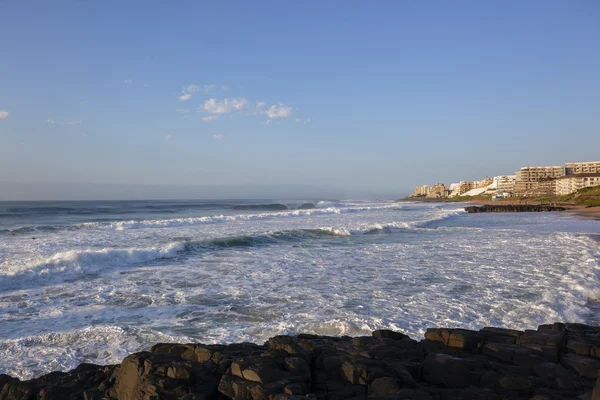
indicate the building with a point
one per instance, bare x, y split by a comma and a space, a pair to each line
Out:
438, 191
571, 183
484, 183
465, 186
529, 178
505, 183
422, 191
591, 167
454, 190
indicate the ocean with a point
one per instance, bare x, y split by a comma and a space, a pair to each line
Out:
95, 281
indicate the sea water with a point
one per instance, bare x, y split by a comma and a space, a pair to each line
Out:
95, 281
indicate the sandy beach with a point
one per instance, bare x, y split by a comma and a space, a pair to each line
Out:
587, 212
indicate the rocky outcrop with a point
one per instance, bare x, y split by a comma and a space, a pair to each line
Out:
513, 208
558, 361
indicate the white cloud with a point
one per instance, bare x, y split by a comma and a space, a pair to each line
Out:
279, 112
225, 106
219, 137
182, 111
188, 91
302, 120
268, 122
260, 104
191, 88
4, 114
169, 139
69, 121
210, 118
128, 81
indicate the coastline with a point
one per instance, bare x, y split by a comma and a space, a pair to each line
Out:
583, 211
556, 361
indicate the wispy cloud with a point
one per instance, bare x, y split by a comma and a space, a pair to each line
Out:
128, 81
302, 120
4, 114
182, 111
168, 139
280, 111
69, 121
224, 106
187, 92
241, 105
219, 136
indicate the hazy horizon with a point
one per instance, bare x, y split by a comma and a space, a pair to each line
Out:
127, 192
351, 99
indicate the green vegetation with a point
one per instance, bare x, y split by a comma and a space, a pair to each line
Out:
589, 197
486, 197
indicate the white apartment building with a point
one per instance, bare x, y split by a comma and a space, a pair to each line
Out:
572, 183
590, 167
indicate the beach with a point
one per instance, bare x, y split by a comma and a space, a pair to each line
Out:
583, 211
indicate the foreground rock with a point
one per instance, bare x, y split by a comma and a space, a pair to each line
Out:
558, 361
512, 208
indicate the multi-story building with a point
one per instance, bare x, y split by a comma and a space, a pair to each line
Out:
591, 167
571, 183
483, 183
422, 191
438, 191
454, 189
505, 183
465, 186
529, 178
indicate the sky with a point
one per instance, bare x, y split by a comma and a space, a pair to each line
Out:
353, 96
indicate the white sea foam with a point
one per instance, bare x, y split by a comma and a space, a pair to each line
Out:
250, 276
215, 219
86, 261
104, 344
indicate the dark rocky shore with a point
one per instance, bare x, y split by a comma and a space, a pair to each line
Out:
558, 361
513, 208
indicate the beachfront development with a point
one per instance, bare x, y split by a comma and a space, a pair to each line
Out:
526, 182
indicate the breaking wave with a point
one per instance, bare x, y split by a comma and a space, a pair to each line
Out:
179, 222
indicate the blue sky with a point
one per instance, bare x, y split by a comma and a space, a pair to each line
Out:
369, 96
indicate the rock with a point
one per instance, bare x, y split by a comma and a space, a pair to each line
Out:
512, 208
449, 371
584, 366
515, 384
384, 333
384, 386
556, 361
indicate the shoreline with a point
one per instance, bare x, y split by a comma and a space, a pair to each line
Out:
556, 361
582, 211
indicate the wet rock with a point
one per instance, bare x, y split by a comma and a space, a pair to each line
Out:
584, 366
556, 361
446, 370
512, 208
